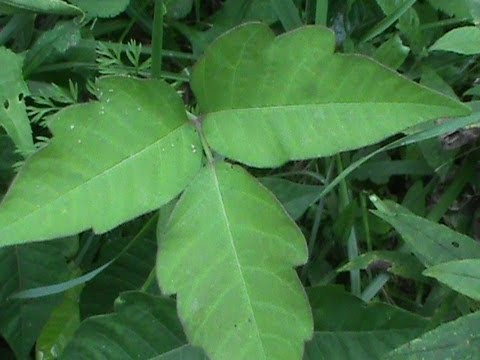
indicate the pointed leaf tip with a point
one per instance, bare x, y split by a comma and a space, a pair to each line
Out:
264, 105
228, 252
108, 162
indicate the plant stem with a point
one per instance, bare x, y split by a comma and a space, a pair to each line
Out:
287, 12
388, 21
375, 286
198, 125
17, 22
316, 225
87, 44
132, 22
151, 277
366, 226
462, 178
157, 40
446, 22
352, 246
321, 12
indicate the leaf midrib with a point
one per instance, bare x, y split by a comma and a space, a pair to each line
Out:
340, 103
237, 260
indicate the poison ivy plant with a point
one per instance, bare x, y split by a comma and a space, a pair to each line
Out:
123, 144
255, 251
229, 248
250, 86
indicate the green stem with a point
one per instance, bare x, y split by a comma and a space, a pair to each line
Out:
87, 44
287, 12
197, 11
321, 12
151, 277
462, 178
366, 226
374, 287
352, 245
157, 40
133, 20
17, 22
206, 148
441, 23
388, 21
92, 66
316, 225
311, 174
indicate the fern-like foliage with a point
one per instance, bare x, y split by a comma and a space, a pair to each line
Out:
127, 61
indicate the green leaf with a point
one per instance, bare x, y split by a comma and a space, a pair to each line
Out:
464, 40
458, 8
24, 267
51, 45
408, 22
287, 12
423, 132
458, 339
58, 7
59, 287
228, 253
251, 87
394, 9
136, 142
433, 80
395, 262
142, 327
13, 114
392, 52
462, 276
178, 9
380, 172
60, 327
432, 243
102, 9
8, 158
128, 272
296, 198
346, 328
